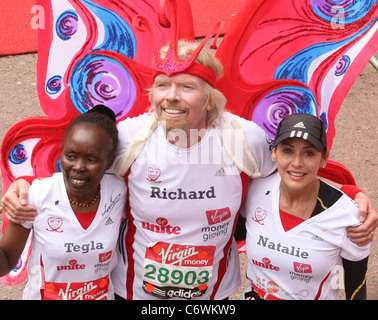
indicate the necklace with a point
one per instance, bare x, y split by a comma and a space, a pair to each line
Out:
84, 205
303, 214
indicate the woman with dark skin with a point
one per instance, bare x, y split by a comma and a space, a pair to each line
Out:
80, 210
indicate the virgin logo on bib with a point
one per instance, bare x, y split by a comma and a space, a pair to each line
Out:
89, 290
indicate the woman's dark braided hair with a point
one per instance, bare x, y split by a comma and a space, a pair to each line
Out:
102, 117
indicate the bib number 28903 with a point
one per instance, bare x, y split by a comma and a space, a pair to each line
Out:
182, 271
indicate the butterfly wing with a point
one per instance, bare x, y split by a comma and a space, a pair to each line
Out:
293, 56
89, 53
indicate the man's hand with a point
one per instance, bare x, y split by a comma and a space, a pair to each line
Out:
364, 233
14, 203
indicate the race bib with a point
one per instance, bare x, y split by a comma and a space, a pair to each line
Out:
177, 271
89, 290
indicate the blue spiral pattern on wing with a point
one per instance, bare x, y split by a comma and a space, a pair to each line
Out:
67, 24
18, 154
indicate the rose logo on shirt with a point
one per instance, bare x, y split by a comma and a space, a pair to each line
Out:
54, 224
259, 215
153, 175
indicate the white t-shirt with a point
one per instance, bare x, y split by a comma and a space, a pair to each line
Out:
183, 205
68, 262
304, 262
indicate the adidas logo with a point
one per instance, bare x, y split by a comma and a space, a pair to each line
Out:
228, 171
220, 173
315, 237
300, 125
109, 221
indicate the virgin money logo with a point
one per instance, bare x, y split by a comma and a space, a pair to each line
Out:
302, 267
103, 257
217, 216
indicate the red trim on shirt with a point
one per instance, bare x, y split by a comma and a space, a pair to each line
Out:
129, 241
85, 218
289, 221
321, 287
223, 263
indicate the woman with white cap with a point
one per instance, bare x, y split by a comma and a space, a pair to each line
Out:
296, 224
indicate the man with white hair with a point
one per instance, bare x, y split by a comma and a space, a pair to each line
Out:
185, 187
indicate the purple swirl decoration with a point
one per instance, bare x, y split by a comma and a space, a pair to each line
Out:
280, 103
67, 24
98, 79
18, 154
54, 85
323, 117
18, 265
342, 66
